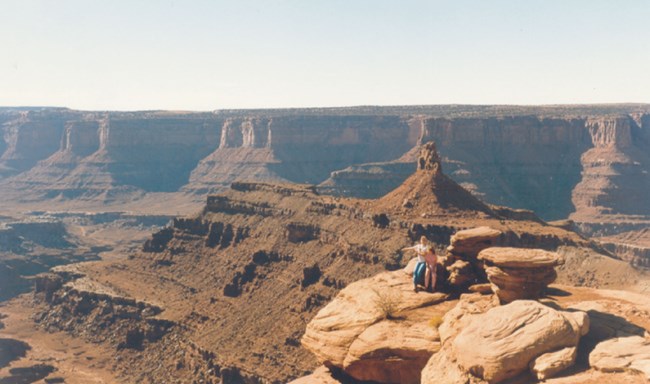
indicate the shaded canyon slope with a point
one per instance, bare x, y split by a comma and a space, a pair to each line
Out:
589, 163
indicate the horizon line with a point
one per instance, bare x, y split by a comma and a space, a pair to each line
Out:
357, 106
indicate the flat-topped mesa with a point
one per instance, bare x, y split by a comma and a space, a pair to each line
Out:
279, 188
517, 273
223, 204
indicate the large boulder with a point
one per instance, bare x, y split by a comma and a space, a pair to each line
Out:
463, 269
518, 273
552, 363
630, 353
376, 329
504, 341
392, 351
469, 242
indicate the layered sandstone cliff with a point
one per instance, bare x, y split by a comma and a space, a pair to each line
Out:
586, 163
27, 137
615, 174
303, 149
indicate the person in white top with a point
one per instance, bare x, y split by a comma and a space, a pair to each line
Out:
425, 269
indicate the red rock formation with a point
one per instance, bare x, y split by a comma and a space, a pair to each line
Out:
556, 161
615, 174
430, 192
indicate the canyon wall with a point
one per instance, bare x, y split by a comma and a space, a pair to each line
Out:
157, 154
615, 170
522, 162
300, 149
28, 137
592, 167
579, 166
74, 153
86, 154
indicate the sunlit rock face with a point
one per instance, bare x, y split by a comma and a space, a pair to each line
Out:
592, 165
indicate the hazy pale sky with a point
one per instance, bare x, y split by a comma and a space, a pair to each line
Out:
212, 54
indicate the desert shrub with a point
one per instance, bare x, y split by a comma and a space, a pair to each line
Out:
387, 304
435, 321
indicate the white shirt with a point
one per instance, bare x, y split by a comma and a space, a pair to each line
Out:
420, 249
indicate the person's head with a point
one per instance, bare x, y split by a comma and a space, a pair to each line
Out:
423, 240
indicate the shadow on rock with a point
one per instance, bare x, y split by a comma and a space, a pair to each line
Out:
11, 350
604, 326
27, 375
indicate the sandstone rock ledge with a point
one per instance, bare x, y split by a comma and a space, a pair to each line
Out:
517, 273
461, 260
469, 242
321, 376
622, 354
377, 329
504, 342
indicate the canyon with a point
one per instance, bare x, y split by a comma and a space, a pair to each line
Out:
591, 167
585, 163
212, 240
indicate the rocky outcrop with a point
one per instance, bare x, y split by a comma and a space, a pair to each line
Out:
30, 247
430, 192
96, 312
479, 340
519, 273
468, 243
461, 262
504, 342
376, 329
630, 353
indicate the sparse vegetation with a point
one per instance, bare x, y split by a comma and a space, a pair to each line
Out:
435, 321
387, 303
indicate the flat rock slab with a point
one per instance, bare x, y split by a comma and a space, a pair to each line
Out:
507, 257
622, 354
469, 242
475, 235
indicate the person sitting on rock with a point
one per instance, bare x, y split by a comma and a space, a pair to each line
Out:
425, 269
